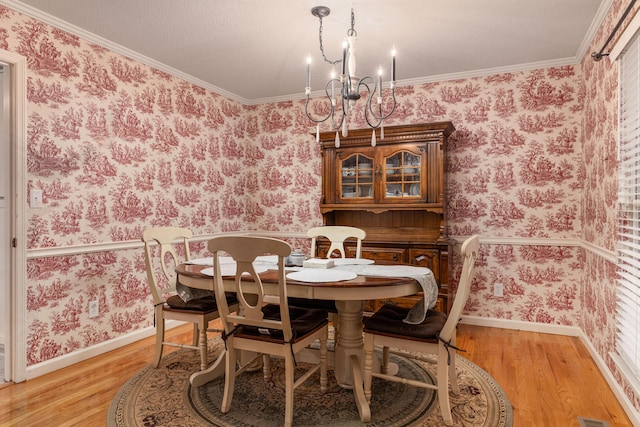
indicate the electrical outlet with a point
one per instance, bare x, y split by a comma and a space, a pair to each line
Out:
498, 290
94, 309
36, 198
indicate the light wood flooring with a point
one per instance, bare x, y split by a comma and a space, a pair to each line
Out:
549, 379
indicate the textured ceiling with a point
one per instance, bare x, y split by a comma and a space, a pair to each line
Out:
255, 50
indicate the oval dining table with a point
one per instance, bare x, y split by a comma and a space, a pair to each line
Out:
349, 295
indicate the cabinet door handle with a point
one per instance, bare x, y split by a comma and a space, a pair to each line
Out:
395, 257
378, 171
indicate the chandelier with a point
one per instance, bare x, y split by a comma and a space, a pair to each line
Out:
343, 93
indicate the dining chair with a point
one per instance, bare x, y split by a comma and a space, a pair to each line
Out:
337, 234
435, 335
161, 257
262, 328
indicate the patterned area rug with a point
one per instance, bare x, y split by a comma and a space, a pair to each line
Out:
164, 397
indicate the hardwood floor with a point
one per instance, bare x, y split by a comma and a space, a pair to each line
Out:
549, 379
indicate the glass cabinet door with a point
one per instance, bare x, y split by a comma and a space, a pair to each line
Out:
356, 177
402, 175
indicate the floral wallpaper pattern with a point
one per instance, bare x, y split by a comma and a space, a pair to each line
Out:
117, 146
599, 196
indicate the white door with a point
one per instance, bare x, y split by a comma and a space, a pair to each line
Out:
5, 238
13, 190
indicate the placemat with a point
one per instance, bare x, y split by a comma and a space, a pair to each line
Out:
314, 275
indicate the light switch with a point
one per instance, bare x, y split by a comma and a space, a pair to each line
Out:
36, 198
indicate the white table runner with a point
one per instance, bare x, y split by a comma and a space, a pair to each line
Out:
315, 275
422, 275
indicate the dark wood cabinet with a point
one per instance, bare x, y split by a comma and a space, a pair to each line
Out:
395, 191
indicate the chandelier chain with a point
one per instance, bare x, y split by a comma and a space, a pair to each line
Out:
322, 47
352, 32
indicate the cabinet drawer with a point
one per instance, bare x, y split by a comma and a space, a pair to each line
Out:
429, 258
371, 306
404, 302
381, 254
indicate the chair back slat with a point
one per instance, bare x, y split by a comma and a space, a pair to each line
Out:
469, 253
249, 287
161, 257
337, 234
251, 311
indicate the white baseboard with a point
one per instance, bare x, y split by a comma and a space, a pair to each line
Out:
628, 407
96, 350
572, 331
545, 328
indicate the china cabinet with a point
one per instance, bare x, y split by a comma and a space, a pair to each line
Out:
395, 191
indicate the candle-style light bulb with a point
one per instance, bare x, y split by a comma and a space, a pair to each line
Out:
344, 57
393, 65
309, 73
379, 83
333, 89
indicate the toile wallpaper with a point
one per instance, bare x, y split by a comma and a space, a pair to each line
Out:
117, 146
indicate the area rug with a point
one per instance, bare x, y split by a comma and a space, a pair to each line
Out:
164, 397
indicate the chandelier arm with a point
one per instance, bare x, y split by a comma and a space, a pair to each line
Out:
317, 121
368, 103
338, 125
343, 109
369, 109
363, 82
331, 113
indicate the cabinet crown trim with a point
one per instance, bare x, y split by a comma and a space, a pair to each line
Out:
429, 132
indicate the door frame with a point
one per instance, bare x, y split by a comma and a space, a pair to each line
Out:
17, 294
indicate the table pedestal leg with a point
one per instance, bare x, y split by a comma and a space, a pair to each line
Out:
349, 352
216, 369
349, 340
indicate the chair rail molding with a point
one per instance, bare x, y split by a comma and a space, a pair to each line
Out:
135, 244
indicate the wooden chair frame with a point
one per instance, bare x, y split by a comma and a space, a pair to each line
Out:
252, 297
337, 234
162, 283
444, 347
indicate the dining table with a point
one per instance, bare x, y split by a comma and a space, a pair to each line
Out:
359, 281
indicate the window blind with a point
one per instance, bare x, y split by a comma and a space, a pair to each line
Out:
628, 292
